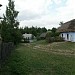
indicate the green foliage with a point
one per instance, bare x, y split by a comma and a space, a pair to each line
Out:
9, 25
58, 39
26, 40
53, 30
38, 38
53, 36
48, 36
33, 30
17, 36
44, 29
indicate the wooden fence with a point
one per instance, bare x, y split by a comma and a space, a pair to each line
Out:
5, 50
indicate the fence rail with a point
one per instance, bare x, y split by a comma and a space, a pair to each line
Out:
5, 50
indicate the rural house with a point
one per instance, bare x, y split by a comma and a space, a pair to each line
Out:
67, 31
28, 37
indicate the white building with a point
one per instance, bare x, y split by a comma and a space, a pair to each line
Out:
67, 31
29, 37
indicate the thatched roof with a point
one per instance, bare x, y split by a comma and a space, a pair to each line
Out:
67, 27
43, 35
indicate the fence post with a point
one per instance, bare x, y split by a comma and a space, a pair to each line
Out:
0, 50
5, 50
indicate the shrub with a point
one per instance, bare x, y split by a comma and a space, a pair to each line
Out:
26, 40
54, 39
48, 37
38, 38
59, 39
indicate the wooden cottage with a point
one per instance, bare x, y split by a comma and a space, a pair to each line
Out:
67, 31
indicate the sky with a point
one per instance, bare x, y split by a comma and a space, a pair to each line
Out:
42, 13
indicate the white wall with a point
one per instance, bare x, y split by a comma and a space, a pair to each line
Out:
74, 37
71, 36
28, 36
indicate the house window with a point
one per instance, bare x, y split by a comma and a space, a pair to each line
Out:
67, 36
62, 35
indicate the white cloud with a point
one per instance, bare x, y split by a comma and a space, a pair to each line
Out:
57, 1
67, 12
63, 13
4, 3
35, 6
42, 13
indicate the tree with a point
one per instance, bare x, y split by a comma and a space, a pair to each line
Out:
53, 30
44, 29
33, 31
9, 25
52, 35
48, 36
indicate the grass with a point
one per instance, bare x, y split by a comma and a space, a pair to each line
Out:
26, 60
64, 46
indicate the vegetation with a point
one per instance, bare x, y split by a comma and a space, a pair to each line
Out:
33, 30
26, 40
40, 58
37, 58
9, 24
53, 36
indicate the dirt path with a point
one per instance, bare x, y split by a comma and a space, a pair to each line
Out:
48, 48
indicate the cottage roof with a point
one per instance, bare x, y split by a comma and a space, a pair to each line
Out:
43, 35
67, 27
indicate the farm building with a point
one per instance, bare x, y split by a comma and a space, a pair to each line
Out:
67, 31
43, 35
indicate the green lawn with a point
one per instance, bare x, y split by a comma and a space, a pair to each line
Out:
41, 58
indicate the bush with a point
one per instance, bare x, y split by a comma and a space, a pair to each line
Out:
26, 40
54, 39
59, 39
50, 39
38, 38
